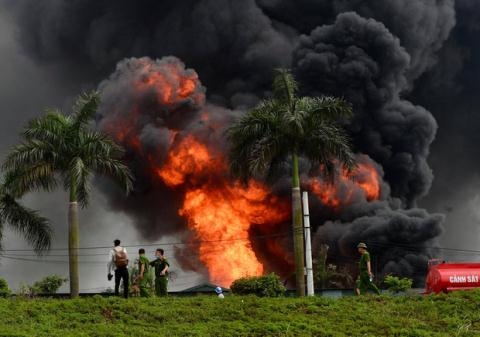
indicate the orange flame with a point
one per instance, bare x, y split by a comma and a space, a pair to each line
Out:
221, 215
190, 159
171, 85
221, 219
365, 180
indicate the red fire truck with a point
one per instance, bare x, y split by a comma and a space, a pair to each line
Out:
446, 277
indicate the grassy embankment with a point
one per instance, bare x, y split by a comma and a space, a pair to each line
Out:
454, 314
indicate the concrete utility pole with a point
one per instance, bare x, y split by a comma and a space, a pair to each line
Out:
308, 244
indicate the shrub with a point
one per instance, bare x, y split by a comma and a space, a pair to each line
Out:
4, 291
397, 284
264, 286
49, 284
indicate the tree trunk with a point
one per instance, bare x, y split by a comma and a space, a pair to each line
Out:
73, 243
298, 243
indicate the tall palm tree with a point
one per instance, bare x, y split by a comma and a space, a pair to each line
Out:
290, 126
34, 228
63, 147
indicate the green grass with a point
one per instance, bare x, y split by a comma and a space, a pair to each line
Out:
456, 314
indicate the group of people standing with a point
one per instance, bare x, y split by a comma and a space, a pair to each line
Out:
118, 264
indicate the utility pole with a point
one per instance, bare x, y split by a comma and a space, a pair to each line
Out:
308, 244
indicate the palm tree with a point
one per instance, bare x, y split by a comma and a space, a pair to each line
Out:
27, 222
62, 147
290, 126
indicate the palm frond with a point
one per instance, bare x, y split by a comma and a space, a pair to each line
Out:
74, 173
295, 123
79, 175
329, 143
284, 86
95, 144
256, 139
264, 152
324, 108
84, 108
35, 228
29, 153
52, 127
116, 169
31, 178
102, 155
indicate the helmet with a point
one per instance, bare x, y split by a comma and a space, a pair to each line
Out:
218, 290
362, 245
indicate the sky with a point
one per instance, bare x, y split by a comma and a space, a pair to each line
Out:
430, 65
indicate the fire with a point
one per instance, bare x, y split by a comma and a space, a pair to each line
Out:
366, 177
220, 214
189, 160
364, 180
171, 84
221, 218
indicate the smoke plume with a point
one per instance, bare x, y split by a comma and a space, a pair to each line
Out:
373, 55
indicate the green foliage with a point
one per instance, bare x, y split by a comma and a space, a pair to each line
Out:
33, 227
264, 286
329, 276
58, 148
4, 291
48, 285
61, 149
288, 125
397, 284
455, 314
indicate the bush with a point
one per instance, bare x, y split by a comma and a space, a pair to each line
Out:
4, 291
264, 286
397, 284
47, 285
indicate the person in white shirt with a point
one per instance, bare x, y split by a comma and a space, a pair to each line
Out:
118, 262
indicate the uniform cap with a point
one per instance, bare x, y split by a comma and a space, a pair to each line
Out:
362, 245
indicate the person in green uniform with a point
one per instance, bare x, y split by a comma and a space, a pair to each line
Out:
143, 273
161, 272
364, 281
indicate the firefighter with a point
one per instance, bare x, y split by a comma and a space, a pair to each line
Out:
365, 278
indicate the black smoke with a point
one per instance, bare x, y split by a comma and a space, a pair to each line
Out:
375, 54
361, 60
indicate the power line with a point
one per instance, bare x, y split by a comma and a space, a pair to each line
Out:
160, 244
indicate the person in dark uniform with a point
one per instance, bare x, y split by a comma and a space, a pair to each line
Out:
364, 282
143, 277
161, 272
